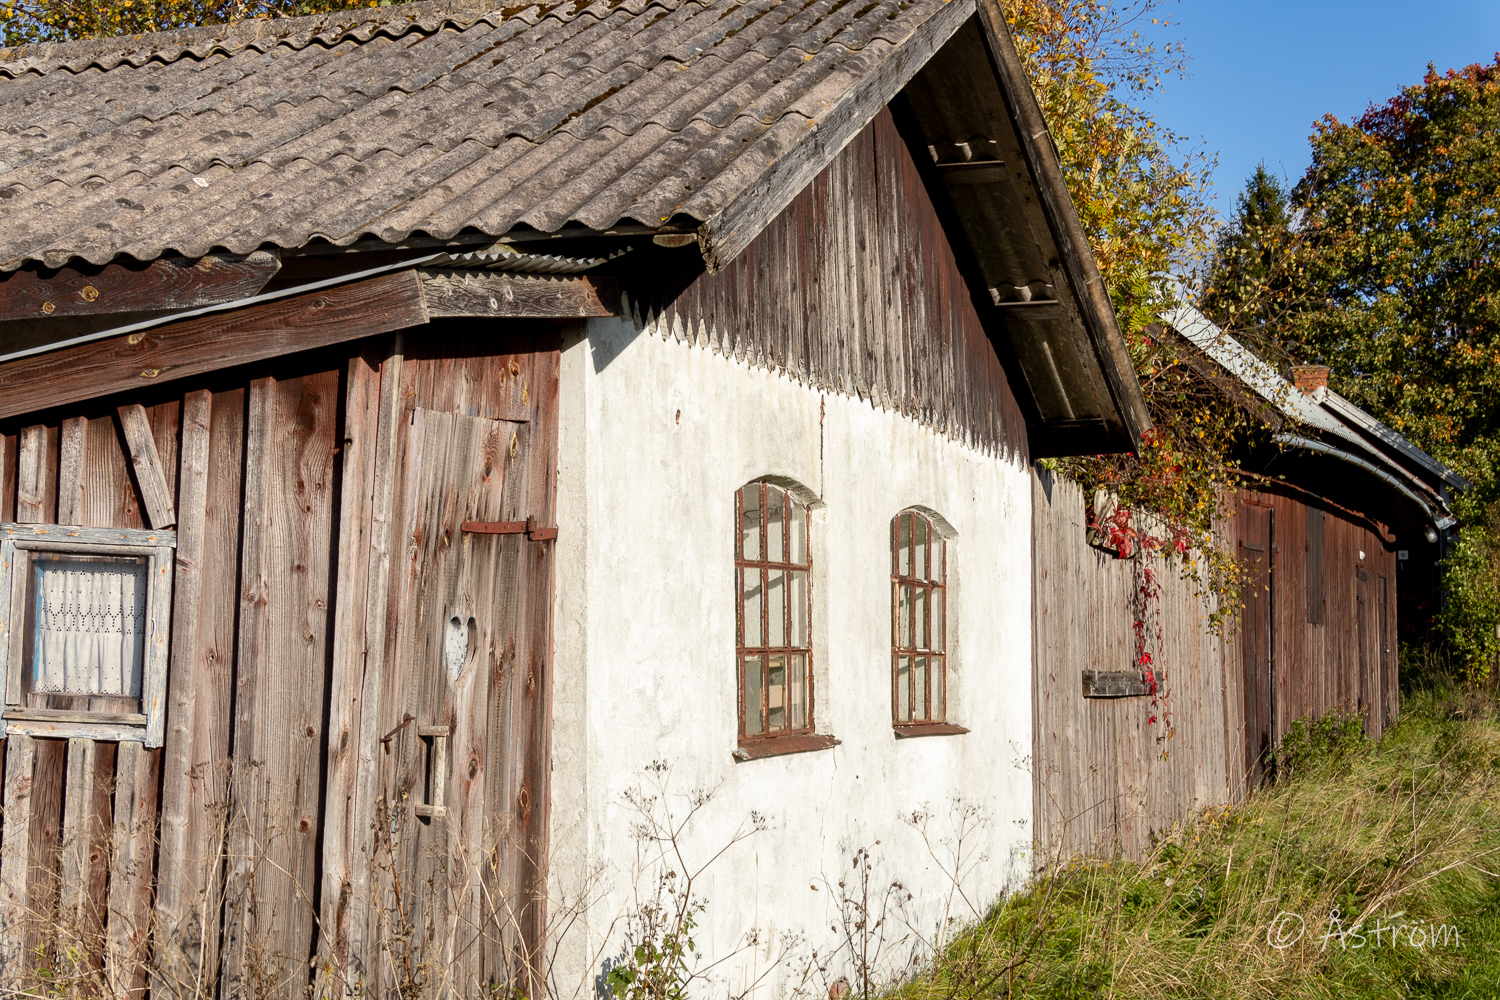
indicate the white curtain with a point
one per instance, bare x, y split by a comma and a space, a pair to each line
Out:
91, 624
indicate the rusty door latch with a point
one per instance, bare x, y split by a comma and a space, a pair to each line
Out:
437, 763
528, 527
385, 741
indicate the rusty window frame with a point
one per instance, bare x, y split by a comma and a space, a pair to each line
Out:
765, 567
932, 587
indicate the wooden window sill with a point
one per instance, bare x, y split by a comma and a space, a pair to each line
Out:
906, 732
776, 746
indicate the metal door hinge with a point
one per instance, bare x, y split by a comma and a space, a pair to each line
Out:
528, 527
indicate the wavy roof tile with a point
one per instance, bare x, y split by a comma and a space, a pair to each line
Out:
433, 118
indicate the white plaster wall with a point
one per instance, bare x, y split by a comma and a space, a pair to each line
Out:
655, 437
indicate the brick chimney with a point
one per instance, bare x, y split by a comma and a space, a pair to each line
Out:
1309, 377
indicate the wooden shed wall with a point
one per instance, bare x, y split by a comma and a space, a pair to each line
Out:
855, 288
211, 862
1347, 662
1103, 782
1105, 778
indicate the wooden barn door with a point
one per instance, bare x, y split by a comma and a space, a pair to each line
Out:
1256, 642
1367, 691
435, 867
453, 794
1386, 710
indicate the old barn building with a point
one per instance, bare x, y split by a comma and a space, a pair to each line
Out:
444, 446
1339, 521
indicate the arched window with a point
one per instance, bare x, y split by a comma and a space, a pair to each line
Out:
919, 576
772, 561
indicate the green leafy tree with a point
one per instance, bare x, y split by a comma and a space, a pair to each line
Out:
1140, 197
27, 21
1392, 277
1400, 216
1248, 278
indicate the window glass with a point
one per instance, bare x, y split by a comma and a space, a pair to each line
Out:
83, 620
918, 625
90, 633
774, 655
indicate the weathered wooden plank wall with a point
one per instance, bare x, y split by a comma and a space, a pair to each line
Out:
1346, 662
855, 288
241, 858
1105, 777
1103, 781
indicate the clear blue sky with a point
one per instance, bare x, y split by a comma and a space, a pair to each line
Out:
1262, 71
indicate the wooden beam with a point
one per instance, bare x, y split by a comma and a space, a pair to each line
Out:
156, 496
1040, 153
168, 283
207, 343
493, 293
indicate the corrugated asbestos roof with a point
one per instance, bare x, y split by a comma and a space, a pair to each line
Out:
427, 118
1326, 412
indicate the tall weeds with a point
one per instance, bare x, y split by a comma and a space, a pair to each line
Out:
1367, 870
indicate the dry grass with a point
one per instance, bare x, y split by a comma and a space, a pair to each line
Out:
1404, 833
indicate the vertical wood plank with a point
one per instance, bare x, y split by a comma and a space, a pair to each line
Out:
283, 650
7, 477
15, 859
371, 410
176, 886
195, 773
78, 837
84, 848
31, 488
27, 760
133, 839
70, 485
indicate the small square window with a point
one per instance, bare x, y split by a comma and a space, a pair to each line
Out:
84, 617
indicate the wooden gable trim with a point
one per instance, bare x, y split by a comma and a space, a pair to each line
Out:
167, 283
219, 340
733, 227
457, 292
267, 329
1098, 312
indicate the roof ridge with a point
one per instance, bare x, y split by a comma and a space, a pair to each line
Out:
330, 28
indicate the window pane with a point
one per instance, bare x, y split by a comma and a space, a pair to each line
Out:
919, 617
903, 689
797, 596
750, 522
799, 534
775, 500
90, 626
903, 617
939, 558
939, 683
937, 621
919, 689
754, 683
776, 696
903, 545
750, 594
919, 548
776, 608
797, 668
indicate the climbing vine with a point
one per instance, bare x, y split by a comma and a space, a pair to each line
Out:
1140, 194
